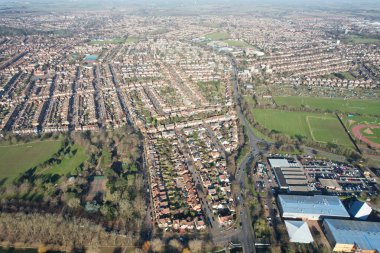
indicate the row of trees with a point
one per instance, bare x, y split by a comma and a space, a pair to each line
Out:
57, 232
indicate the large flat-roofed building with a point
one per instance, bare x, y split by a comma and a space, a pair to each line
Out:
283, 163
289, 174
350, 236
311, 207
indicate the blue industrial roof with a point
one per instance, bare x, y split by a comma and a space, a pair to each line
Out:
313, 205
366, 235
360, 210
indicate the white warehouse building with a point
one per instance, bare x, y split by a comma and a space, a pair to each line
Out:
311, 207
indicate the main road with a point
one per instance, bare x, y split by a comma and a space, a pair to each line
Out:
247, 237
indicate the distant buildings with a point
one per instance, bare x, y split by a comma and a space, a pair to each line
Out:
350, 236
311, 207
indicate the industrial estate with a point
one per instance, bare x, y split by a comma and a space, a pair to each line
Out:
193, 127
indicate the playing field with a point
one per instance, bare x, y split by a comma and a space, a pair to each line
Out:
68, 164
356, 125
321, 127
357, 39
107, 41
236, 43
365, 107
217, 36
132, 39
15, 159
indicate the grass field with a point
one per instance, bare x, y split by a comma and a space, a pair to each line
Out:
236, 43
341, 75
217, 36
352, 121
321, 127
373, 135
132, 39
69, 163
15, 159
327, 129
357, 39
366, 107
356, 120
108, 41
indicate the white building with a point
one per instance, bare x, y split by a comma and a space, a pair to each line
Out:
298, 231
311, 207
360, 210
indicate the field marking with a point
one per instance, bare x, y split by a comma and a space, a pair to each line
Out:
310, 127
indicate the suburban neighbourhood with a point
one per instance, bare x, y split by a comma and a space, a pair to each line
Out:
166, 128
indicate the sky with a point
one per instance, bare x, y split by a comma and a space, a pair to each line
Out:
335, 4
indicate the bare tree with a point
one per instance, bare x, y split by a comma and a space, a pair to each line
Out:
157, 245
195, 246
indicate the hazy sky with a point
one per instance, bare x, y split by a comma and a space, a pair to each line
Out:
344, 4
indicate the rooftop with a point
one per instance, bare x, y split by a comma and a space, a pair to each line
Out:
298, 231
314, 205
362, 233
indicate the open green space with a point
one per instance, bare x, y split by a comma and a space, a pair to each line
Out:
15, 159
365, 107
132, 39
107, 41
68, 163
327, 129
217, 36
361, 39
353, 120
236, 43
346, 75
213, 91
321, 127
371, 133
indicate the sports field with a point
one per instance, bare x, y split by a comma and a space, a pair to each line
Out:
107, 41
364, 127
236, 43
217, 36
365, 107
15, 159
132, 39
358, 39
321, 127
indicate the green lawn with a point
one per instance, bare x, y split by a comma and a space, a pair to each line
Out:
132, 39
352, 121
213, 91
321, 127
369, 107
68, 164
344, 75
374, 136
236, 43
217, 36
328, 129
357, 39
355, 120
108, 41
16, 159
